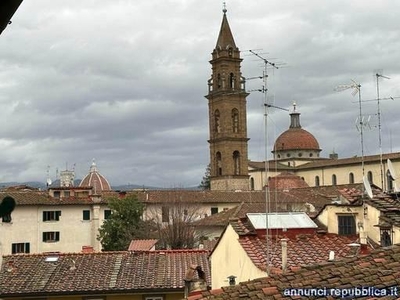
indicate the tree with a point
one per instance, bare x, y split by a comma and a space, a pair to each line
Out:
124, 224
205, 182
173, 221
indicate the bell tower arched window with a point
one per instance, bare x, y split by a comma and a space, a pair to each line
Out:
218, 162
231, 81
217, 117
235, 120
236, 162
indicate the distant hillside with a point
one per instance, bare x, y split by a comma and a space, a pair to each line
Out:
56, 183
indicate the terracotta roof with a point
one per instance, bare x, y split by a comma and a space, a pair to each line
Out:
304, 246
106, 272
378, 270
142, 245
191, 196
389, 206
286, 180
23, 198
296, 139
303, 249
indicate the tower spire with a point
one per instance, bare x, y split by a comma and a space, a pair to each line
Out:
227, 115
225, 38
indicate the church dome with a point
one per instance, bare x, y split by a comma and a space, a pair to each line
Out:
286, 180
95, 180
296, 139
296, 142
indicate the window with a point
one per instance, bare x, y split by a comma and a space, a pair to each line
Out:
86, 215
217, 117
317, 181
219, 163
57, 194
252, 183
236, 162
231, 76
334, 180
370, 177
235, 120
8, 205
165, 214
385, 238
67, 194
51, 215
351, 178
390, 181
51, 236
214, 210
107, 214
20, 248
219, 81
346, 225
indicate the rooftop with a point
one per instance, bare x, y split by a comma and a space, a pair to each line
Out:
379, 269
112, 272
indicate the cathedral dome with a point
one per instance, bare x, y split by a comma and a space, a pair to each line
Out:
296, 142
95, 180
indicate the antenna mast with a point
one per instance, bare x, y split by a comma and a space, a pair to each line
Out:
356, 90
379, 125
266, 105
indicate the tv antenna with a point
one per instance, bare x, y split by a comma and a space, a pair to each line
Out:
264, 90
356, 87
378, 75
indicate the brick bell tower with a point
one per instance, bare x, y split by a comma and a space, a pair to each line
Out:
227, 115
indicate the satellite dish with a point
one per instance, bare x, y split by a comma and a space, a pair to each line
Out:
49, 182
367, 187
391, 169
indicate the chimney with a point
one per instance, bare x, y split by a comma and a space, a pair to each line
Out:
363, 235
284, 254
194, 286
331, 255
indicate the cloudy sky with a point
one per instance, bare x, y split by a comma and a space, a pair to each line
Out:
124, 82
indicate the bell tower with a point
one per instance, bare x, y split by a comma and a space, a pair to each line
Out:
227, 115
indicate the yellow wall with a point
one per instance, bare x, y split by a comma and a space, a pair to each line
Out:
329, 216
229, 258
341, 171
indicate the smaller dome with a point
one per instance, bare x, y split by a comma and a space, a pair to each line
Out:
95, 180
286, 180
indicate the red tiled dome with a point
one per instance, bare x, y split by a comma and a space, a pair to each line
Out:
296, 139
286, 181
95, 180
